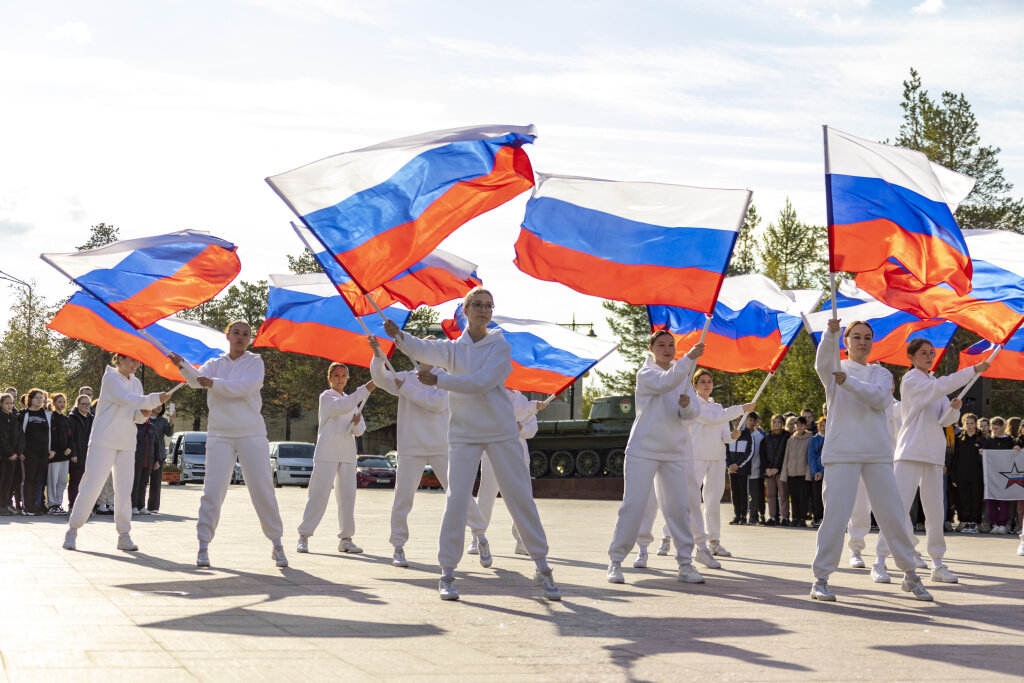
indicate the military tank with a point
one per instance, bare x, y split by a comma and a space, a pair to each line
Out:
595, 447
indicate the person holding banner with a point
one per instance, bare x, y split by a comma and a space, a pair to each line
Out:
858, 448
482, 418
121, 406
921, 450
235, 429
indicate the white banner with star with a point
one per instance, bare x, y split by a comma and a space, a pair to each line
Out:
1004, 474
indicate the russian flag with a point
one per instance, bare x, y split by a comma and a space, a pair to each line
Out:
1009, 364
753, 326
381, 209
994, 308
85, 317
892, 328
888, 201
546, 357
150, 278
642, 243
305, 314
438, 278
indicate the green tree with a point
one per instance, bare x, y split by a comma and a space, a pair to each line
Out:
792, 253
632, 328
30, 355
303, 264
744, 254
100, 235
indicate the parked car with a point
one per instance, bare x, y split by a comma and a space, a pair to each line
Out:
429, 480
291, 462
374, 470
188, 451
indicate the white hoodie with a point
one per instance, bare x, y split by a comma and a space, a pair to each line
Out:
710, 431
922, 402
336, 435
661, 430
481, 409
234, 399
858, 429
526, 414
117, 411
423, 411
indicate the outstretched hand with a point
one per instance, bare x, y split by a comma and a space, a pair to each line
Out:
840, 378
375, 345
696, 352
833, 325
982, 367
428, 378
393, 330
176, 359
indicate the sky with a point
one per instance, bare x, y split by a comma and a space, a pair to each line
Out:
157, 117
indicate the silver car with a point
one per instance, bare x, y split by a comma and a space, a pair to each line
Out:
291, 462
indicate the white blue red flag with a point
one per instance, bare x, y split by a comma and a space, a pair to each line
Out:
150, 278
994, 308
886, 201
305, 314
642, 243
546, 357
381, 209
1009, 364
1004, 474
892, 328
753, 326
85, 317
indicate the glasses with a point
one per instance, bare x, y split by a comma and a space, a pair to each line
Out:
477, 306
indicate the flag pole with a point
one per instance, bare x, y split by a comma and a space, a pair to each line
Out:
707, 326
835, 314
552, 397
977, 376
763, 385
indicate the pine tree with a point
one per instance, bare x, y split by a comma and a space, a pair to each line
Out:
30, 355
632, 327
792, 253
744, 254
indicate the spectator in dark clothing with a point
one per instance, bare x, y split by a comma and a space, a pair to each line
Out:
146, 458
57, 472
773, 451
81, 427
40, 440
738, 455
966, 475
12, 444
164, 426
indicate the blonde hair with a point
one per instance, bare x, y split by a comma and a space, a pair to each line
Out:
238, 322
479, 289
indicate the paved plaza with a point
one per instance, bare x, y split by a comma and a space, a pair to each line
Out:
105, 615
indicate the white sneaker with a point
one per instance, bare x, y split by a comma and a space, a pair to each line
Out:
125, 542
912, 584
473, 547
942, 574
856, 561
687, 574
641, 558
135, 511
705, 558
717, 549
277, 555
547, 582
484, 549
919, 561
70, 538
615, 573
998, 529
879, 574
347, 546
521, 549
665, 546
820, 591
143, 511
398, 559
203, 558
446, 588
1020, 548
303, 545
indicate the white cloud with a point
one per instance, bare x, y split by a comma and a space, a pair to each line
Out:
72, 31
929, 7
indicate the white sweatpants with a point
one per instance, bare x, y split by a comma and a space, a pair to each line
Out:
700, 472
106, 496
410, 473
909, 476
514, 479
673, 478
839, 493
253, 452
341, 476
860, 520
101, 464
57, 482
488, 491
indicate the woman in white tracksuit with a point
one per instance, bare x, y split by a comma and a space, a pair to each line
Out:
121, 406
659, 453
423, 415
860, 518
478, 363
334, 459
921, 450
235, 429
858, 448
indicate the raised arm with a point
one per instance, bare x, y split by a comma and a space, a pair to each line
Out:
658, 381
924, 389
492, 374
429, 351
429, 398
118, 393
382, 377
876, 394
333, 404
825, 360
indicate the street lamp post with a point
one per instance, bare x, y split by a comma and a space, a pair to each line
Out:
28, 324
572, 387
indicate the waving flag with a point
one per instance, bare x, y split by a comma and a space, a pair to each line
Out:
886, 201
892, 328
381, 209
994, 308
642, 243
1009, 364
438, 278
85, 317
150, 278
305, 314
753, 326
545, 357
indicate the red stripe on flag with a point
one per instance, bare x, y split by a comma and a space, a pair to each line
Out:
315, 339
533, 379
733, 355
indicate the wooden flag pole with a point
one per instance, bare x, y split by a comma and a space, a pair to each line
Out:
977, 375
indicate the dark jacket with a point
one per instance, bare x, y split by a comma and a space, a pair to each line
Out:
39, 429
966, 462
81, 428
145, 446
163, 428
1000, 443
12, 440
62, 434
739, 451
773, 450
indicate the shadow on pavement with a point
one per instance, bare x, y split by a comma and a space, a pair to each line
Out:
1000, 659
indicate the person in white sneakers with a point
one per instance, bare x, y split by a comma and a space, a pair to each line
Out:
478, 363
526, 420
423, 414
921, 449
334, 459
659, 452
121, 406
860, 518
235, 429
858, 448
